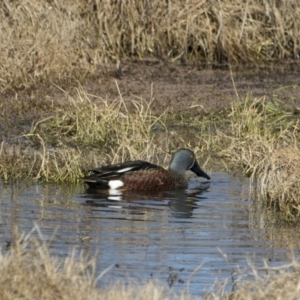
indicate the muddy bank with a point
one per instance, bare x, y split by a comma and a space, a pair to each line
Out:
177, 87
174, 87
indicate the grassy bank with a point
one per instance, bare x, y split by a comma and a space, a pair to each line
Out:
265, 145
44, 42
277, 283
256, 137
79, 132
30, 272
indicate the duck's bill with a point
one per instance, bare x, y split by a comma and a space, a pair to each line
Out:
198, 171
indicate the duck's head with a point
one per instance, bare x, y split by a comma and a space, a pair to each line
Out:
183, 160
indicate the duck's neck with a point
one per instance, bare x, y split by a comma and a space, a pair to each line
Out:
177, 168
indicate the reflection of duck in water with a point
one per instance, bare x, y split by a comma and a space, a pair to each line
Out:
144, 176
179, 202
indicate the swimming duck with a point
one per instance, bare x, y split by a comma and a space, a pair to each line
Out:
144, 176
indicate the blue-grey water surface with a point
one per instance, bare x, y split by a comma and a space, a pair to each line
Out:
187, 242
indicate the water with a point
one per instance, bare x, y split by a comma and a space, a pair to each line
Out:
186, 242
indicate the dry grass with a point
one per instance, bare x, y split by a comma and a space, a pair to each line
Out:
277, 283
49, 164
92, 122
264, 144
29, 272
85, 131
261, 118
280, 180
46, 41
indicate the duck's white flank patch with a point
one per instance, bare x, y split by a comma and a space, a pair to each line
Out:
115, 184
124, 170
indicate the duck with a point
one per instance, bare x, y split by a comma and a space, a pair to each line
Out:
141, 175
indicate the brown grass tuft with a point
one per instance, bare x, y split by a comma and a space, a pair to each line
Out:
29, 272
263, 142
278, 283
280, 180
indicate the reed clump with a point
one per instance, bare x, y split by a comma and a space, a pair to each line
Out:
40, 162
279, 181
30, 272
97, 123
43, 42
278, 283
264, 144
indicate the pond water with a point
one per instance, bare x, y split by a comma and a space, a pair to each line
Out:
187, 242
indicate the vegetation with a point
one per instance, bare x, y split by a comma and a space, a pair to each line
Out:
49, 41
278, 283
58, 136
80, 133
264, 143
